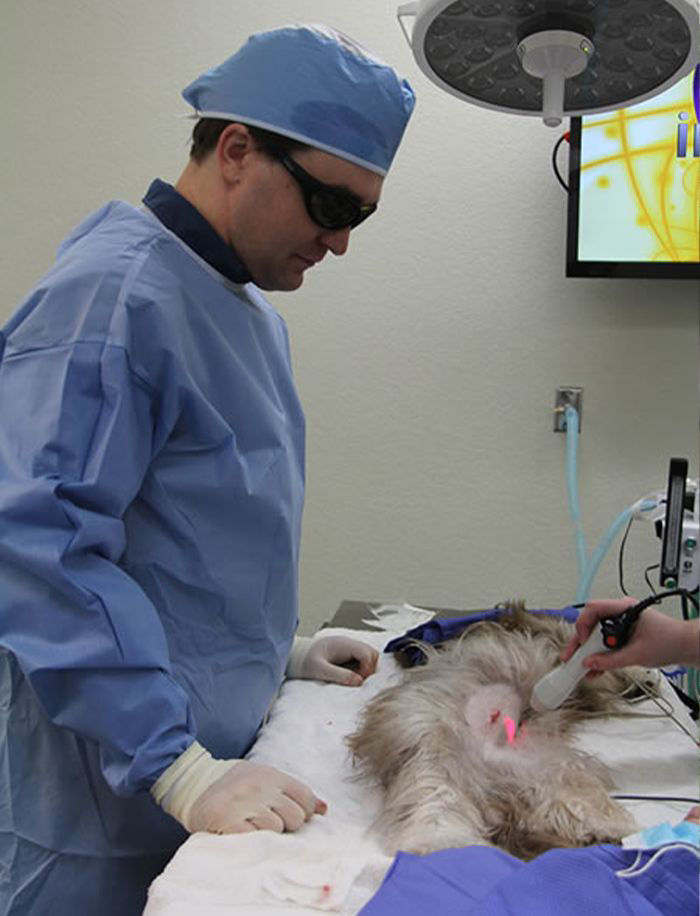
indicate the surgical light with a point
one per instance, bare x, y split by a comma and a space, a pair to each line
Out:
553, 58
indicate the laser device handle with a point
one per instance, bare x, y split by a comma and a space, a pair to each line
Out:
551, 690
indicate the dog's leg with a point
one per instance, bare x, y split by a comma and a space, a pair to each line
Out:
571, 806
424, 811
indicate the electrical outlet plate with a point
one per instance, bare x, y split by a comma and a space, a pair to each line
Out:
567, 397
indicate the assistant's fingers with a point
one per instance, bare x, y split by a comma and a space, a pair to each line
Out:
231, 822
238, 826
597, 610
353, 654
693, 815
293, 815
569, 648
610, 607
593, 612
344, 666
367, 658
588, 618
607, 661
339, 674
267, 820
302, 795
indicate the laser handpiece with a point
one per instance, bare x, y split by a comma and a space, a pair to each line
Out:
558, 685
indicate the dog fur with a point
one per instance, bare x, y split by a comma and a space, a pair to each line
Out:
437, 744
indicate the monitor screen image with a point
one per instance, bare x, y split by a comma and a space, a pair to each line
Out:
634, 188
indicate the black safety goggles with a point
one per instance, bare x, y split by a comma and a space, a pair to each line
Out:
330, 207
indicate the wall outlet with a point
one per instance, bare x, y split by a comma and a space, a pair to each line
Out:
567, 397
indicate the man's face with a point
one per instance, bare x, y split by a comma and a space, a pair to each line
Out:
270, 227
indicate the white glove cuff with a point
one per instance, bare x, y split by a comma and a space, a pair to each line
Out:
297, 657
191, 774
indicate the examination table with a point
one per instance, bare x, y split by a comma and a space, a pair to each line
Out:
333, 863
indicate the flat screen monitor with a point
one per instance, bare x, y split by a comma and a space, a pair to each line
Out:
634, 188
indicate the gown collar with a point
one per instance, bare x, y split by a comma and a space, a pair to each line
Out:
177, 214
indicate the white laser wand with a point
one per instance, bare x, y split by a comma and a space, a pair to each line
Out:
612, 633
557, 685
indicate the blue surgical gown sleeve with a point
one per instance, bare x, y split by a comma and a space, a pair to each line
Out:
151, 492
80, 428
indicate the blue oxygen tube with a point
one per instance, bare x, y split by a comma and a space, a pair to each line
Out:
571, 417
605, 543
588, 569
586, 580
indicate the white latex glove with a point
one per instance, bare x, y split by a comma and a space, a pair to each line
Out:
232, 796
325, 658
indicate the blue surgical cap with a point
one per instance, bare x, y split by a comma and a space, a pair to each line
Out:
315, 85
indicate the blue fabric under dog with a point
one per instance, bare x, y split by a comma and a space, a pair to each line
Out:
436, 631
481, 881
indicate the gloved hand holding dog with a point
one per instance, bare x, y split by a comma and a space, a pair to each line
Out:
233, 796
337, 659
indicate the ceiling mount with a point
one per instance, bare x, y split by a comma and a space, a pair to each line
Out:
553, 58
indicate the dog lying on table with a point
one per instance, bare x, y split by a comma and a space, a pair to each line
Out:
463, 759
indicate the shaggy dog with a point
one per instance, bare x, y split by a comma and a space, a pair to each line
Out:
463, 759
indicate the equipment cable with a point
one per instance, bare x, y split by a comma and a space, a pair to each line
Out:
555, 167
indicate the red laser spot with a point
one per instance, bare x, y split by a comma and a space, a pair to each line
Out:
510, 728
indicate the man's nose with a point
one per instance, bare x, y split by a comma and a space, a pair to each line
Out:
337, 240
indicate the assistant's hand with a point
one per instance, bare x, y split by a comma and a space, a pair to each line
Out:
326, 658
693, 815
233, 796
656, 639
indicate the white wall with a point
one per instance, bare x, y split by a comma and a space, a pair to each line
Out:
428, 356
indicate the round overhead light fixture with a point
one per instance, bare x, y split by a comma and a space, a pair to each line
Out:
553, 58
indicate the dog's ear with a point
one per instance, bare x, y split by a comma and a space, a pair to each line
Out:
517, 618
515, 615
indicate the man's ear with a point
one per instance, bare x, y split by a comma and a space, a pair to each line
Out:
234, 144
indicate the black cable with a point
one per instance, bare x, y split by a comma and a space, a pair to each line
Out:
672, 798
693, 705
656, 598
620, 573
648, 580
692, 597
684, 607
660, 596
554, 160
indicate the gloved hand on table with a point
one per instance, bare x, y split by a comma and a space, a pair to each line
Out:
232, 796
323, 659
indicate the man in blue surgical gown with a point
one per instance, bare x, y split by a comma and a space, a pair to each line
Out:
151, 484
